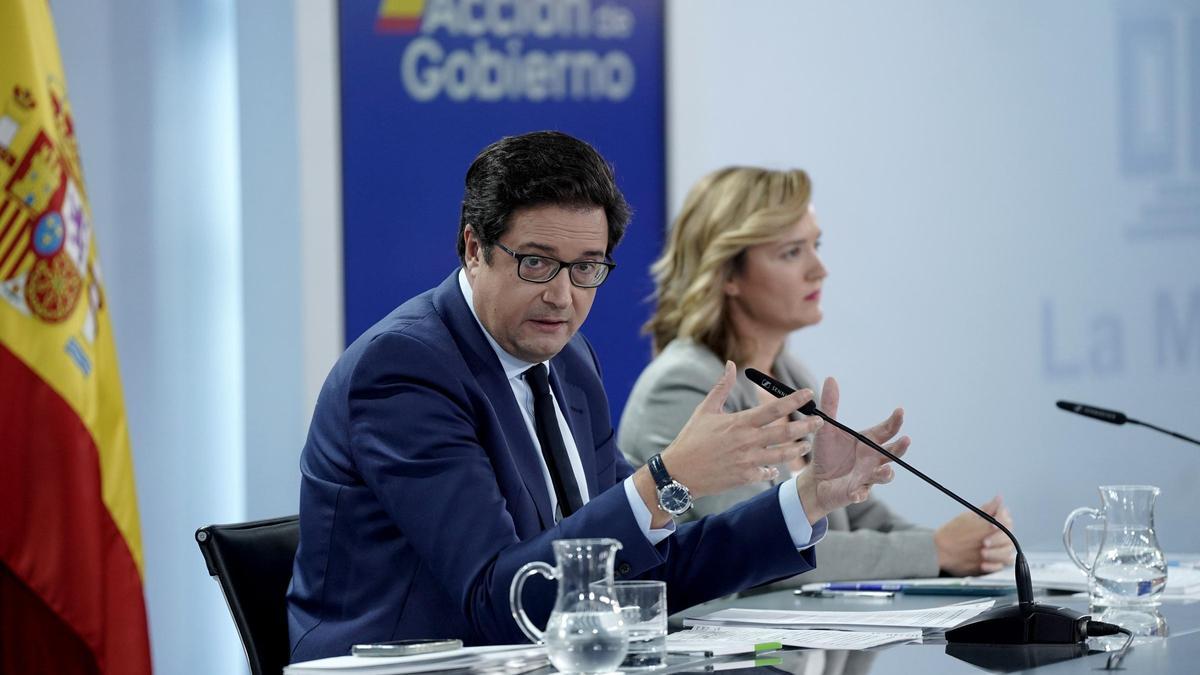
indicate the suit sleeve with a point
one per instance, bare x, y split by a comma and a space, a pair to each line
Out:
878, 545
874, 514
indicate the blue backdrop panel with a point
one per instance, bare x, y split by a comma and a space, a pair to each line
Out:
427, 85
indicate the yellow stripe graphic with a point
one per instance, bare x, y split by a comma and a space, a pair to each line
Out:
401, 8
6, 207
19, 232
24, 264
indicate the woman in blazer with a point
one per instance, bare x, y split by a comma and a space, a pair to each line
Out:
739, 273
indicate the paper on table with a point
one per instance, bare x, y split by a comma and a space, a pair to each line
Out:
736, 639
714, 641
934, 617
1065, 576
1002, 580
506, 658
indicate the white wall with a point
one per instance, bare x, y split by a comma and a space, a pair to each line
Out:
989, 251
209, 145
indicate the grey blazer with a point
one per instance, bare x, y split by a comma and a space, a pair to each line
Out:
864, 541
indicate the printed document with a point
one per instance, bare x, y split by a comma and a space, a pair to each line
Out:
947, 616
506, 659
719, 640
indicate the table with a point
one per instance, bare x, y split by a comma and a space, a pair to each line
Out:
1177, 653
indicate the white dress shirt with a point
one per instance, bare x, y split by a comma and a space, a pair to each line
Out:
803, 535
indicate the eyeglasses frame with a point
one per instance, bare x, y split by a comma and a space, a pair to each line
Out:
561, 264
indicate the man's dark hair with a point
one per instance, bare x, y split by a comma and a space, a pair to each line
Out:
537, 169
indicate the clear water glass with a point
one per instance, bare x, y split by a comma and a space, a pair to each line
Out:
644, 613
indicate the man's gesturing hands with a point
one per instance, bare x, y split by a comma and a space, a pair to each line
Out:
716, 450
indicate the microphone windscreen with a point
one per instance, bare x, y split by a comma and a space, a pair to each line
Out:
1102, 414
769, 383
778, 388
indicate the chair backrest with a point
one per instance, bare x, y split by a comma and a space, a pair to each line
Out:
253, 564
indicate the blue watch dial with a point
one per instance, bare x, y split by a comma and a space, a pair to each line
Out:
674, 498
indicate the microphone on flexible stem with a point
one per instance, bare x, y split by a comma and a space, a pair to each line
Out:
1115, 417
1025, 623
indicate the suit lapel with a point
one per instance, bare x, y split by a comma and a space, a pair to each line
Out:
486, 367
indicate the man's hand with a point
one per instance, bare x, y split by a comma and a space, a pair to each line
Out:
716, 450
968, 544
842, 470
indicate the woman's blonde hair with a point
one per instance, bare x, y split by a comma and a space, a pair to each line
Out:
725, 213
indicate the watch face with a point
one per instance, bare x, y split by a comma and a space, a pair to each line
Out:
674, 498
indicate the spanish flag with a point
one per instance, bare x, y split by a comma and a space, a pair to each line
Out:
399, 16
71, 596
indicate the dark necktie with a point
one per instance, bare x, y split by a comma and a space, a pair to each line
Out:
554, 450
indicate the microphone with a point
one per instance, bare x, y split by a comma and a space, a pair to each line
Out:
1025, 623
1115, 417
1110, 416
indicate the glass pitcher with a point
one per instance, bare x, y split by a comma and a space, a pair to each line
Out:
585, 633
1129, 567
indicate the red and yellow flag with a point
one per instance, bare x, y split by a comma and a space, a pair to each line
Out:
71, 596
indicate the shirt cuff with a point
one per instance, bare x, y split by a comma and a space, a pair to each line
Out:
803, 535
642, 515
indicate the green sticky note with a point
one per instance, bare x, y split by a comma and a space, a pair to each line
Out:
768, 646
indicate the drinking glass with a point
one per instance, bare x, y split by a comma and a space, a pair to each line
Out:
644, 613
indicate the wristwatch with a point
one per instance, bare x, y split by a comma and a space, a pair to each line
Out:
673, 496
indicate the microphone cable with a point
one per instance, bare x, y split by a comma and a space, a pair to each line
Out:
1102, 629
1116, 417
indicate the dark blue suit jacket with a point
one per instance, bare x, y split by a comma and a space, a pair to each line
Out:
422, 493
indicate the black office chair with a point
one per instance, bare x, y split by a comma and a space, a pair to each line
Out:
253, 564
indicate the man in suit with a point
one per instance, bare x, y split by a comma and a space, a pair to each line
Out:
468, 429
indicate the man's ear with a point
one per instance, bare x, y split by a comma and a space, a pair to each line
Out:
472, 252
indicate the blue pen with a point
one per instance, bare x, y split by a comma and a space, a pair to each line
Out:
950, 587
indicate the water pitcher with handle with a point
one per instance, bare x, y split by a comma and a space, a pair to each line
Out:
1127, 566
585, 633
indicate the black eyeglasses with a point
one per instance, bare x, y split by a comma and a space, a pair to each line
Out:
540, 269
